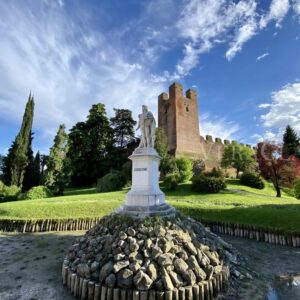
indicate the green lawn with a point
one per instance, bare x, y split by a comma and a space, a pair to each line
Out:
238, 204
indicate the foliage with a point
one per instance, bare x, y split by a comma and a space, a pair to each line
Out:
2, 157
127, 170
10, 193
252, 180
2, 185
237, 156
167, 164
198, 167
271, 164
123, 127
17, 159
297, 189
171, 181
89, 145
33, 170
185, 169
291, 143
54, 174
39, 192
208, 184
112, 181
161, 142
215, 172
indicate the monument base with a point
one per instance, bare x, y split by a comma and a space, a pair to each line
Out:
140, 212
145, 199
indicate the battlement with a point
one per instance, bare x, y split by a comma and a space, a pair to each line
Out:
176, 91
217, 140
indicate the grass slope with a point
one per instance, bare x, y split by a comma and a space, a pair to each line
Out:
238, 204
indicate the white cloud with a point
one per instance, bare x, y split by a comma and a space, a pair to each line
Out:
284, 109
258, 58
217, 127
296, 6
267, 136
264, 105
277, 12
204, 24
67, 70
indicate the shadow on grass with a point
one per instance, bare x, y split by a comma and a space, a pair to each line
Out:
281, 217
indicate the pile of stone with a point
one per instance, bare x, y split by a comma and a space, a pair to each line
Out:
150, 254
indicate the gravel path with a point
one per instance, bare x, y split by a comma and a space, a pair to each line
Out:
30, 268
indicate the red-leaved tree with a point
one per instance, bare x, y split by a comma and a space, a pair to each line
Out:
272, 166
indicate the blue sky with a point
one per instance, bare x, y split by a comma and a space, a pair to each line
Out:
242, 57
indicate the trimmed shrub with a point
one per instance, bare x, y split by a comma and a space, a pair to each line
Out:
10, 193
185, 169
208, 184
112, 181
252, 180
215, 172
297, 189
39, 192
171, 181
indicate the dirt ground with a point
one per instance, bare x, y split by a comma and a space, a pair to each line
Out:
30, 268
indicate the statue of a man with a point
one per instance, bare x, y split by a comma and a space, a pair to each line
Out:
147, 125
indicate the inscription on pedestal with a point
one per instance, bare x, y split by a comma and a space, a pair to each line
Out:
140, 169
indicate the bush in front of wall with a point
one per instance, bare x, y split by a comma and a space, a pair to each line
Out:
208, 184
252, 180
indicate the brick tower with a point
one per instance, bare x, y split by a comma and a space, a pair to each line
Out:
178, 116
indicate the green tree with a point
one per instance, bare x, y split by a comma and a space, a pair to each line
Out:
161, 142
89, 145
291, 143
54, 174
17, 159
2, 157
123, 127
167, 164
237, 156
32, 171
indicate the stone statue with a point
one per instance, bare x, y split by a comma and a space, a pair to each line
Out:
147, 125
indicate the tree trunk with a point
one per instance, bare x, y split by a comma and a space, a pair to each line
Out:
278, 192
237, 173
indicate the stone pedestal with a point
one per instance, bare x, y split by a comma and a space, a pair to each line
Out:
145, 197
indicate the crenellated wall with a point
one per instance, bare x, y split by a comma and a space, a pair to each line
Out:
178, 116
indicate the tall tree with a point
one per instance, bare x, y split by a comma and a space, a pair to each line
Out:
123, 127
2, 157
89, 145
28, 181
238, 157
291, 143
54, 175
17, 158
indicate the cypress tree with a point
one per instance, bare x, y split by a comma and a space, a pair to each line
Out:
17, 159
54, 172
291, 143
